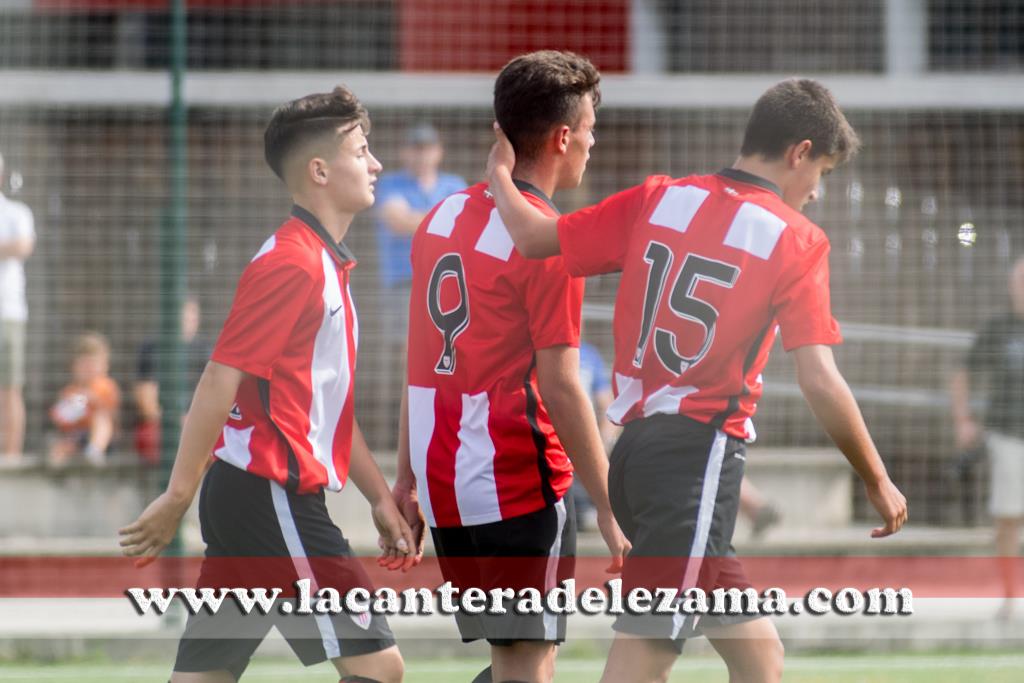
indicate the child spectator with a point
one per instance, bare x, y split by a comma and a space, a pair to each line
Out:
86, 410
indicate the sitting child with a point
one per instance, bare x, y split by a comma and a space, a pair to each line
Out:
86, 411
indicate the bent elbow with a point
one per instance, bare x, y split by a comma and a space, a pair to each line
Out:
531, 253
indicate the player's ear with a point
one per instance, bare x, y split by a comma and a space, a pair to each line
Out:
561, 136
316, 170
798, 153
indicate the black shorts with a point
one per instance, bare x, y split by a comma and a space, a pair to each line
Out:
536, 550
258, 534
674, 485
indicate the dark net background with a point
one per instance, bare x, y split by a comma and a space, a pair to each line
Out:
924, 224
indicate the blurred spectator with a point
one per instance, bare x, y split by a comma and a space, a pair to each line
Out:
403, 199
995, 363
86, 411
595, 382
147, 389
17, 239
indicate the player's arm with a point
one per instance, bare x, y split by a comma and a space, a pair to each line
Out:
148, 535
833, 404
968, 431
573, 418
397, 542
101, 431
147, 399
19, 248
608, 429
404, 490
534, 234
399, 217
976, 365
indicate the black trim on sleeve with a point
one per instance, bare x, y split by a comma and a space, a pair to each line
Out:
539, 440
750, 179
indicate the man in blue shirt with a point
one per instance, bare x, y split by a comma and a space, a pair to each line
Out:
403, 199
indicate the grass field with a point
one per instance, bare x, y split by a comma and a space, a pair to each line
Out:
952, 668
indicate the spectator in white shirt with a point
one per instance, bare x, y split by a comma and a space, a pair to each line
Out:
17, 239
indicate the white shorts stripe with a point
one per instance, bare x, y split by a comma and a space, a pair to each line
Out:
551, 573
302, 568
705, 514
476, 491
421, 431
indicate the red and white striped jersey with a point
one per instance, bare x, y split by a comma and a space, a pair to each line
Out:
293, 329
711, 267
481, 443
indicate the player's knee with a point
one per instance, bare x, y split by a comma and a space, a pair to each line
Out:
385, 666
390, 668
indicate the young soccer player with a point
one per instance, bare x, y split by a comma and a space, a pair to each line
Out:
493, 375
711, 267
275, 407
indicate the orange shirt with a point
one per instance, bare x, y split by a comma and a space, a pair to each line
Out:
78, 403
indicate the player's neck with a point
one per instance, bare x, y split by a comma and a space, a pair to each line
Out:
335, 222
543, 177
769, 170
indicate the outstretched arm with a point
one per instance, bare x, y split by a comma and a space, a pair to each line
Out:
148, 535
534, 234
833, 404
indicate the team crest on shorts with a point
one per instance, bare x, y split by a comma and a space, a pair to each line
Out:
361, 620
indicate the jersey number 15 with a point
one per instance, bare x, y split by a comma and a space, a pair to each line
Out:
681, 302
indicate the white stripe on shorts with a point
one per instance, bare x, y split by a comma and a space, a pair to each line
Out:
298, 554
706, 513
551, 574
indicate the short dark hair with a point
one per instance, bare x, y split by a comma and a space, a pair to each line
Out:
295, 124
794, 110
537, 91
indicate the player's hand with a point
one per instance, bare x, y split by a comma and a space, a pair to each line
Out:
968, 434
890, 504
616, 541
408, 504
146, 537
396, 538
502, 156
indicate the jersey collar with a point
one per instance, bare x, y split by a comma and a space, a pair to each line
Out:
338, 249
524, 186
750, 179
